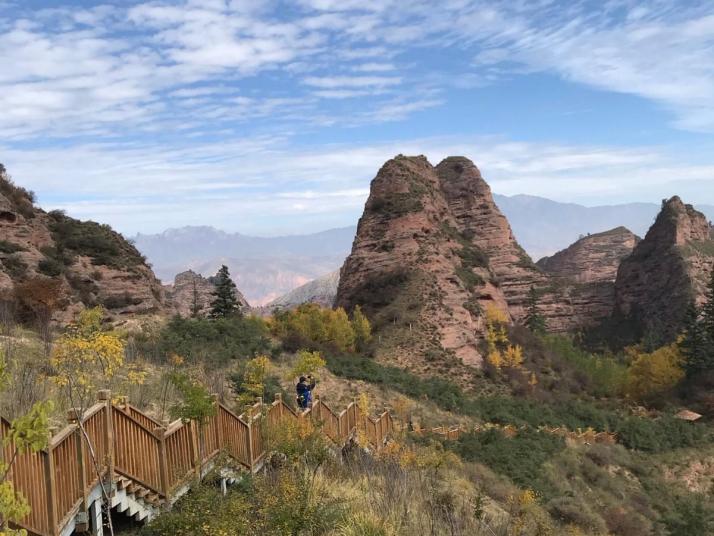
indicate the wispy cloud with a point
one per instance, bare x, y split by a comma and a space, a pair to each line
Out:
268, 186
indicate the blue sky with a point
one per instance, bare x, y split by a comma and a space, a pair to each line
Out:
272, 117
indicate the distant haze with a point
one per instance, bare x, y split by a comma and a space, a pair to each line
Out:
267, 268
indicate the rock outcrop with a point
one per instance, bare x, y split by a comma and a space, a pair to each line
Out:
593, 258
50, 256
666, 271
191, 294
321, 291
582, 277
433, 251
417, 277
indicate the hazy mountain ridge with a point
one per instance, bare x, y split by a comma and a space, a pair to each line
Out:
266, 268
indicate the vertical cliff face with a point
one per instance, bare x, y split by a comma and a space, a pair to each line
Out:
471, 203
420, 278
666, 271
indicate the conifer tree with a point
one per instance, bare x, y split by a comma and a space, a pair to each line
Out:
225, 303
534, 319
708, 314
698, 341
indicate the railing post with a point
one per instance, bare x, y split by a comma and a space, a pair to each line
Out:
249, 415
51, 487
160, 433
74, 416
217, 421
106, 397
197, 462
279, 400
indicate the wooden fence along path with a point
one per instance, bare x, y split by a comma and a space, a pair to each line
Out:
145, 465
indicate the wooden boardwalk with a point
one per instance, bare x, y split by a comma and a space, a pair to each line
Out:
146, 466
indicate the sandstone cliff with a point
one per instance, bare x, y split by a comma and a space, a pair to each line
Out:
582, 278
665, 272
80, 263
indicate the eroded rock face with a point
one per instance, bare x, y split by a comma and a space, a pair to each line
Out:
582, 278
421, 282
666, 271
91, 264
479, 219
191, 294
593, 258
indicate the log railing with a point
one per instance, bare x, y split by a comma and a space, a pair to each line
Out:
118, 441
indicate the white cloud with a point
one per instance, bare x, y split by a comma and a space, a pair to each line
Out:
265, 185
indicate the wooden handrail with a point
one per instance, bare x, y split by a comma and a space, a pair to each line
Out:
57, 480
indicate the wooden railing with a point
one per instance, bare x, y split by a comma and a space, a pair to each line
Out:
118, 441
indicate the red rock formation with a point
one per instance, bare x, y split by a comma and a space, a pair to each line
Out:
666, 271
94, 264
416, 276
593, 258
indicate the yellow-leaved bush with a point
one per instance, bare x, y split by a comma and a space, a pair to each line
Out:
87, 358
655, 373
500, 352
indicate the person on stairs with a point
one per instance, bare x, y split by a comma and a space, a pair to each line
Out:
304, 392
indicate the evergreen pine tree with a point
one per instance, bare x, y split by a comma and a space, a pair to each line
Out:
534, 319
698, 341
708, 314
225, 303
694, 343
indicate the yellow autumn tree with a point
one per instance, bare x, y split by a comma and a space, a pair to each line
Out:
308, 362
655, 373
362, 329
339, 330
496, 335
253, 382
513, 356
87, 358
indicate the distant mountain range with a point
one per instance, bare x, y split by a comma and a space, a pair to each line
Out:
267, 268
263, 268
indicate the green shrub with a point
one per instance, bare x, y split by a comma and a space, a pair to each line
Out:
21, 198
472, 256
220, 340
691, 514
119, 301
104, 246
521, 457
10, 247
639, 433
50, 267
14, 266
606, 376
469, 278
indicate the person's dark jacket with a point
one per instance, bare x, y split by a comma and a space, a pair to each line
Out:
304, 392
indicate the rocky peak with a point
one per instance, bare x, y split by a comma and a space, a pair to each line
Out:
479, 219
666, 271
593, 258
420, 280
191, 294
